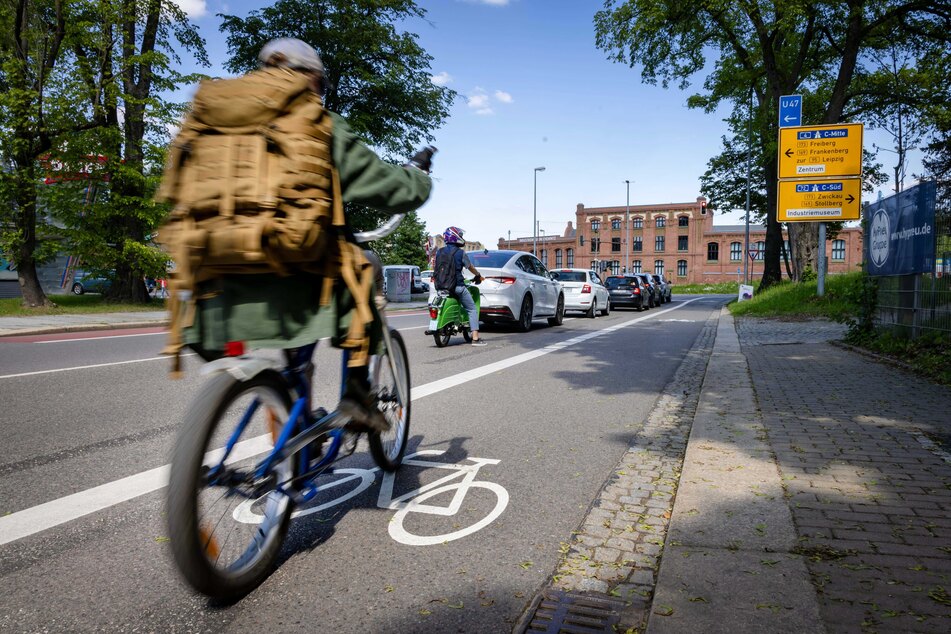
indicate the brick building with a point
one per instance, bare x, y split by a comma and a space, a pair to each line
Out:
677, 239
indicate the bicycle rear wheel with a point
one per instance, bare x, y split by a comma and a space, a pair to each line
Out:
388, 448
217, 554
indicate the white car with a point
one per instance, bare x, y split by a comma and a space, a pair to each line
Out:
517, 289
584, 291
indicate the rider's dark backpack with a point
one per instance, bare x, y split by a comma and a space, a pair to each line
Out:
444, 273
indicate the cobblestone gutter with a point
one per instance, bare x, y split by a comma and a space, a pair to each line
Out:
615, 553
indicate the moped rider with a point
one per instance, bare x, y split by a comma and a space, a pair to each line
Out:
454, 253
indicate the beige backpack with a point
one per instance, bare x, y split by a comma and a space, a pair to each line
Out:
254, 190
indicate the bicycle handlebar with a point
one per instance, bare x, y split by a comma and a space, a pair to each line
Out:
382, 231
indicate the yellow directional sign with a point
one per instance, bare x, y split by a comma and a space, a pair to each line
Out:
819, 200
820, 150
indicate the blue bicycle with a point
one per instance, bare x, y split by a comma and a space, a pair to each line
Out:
251, 438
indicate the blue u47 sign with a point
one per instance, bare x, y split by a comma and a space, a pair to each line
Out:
790, 111
901, 237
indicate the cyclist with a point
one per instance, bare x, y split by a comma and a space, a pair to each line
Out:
294, 310
455, 260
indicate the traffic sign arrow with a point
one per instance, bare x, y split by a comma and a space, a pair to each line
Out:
850, 198
788, 152
787, 118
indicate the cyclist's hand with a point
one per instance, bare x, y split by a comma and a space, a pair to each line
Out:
423, 159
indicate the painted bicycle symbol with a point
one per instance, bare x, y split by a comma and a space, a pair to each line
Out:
413, 502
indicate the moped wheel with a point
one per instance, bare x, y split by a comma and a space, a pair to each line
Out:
388, 448
442, 339
467, 335
217, 554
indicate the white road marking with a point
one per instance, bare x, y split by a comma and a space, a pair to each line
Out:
55, 512
87, 367
138, 334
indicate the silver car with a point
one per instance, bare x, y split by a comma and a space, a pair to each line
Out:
517, 288
584, 291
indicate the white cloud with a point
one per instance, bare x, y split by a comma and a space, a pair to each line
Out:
441, 79
193, 8
480, 103
503, 96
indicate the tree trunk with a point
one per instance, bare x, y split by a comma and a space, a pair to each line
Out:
772, 273
25, 222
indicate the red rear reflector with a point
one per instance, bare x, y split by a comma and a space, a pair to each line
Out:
234, 348
586, 288
433, 312
637, 291
502, 280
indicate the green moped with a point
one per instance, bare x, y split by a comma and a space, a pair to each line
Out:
447, 317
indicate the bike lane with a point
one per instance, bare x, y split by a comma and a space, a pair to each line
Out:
548, 453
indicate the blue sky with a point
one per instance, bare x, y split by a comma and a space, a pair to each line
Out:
535, 91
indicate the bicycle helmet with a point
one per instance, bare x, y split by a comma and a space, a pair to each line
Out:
290, 52
453, 235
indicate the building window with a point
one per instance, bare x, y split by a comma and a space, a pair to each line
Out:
659, 243
638, 223
838, 250
615, 266
658, 267
681, 243
713, 251
570, 254
595, 245
682, 268
736, 252
545, 257
615, 245
638, 244
683, 221
558, 258
615, 223
636, 267
660, 222
595, 225
760, 250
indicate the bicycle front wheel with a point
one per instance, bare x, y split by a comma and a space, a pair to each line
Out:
218, 555
388, 448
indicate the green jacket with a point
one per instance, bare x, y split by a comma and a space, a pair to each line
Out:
270, 311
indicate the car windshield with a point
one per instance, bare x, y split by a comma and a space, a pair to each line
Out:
492, 259
618, 282
569, 276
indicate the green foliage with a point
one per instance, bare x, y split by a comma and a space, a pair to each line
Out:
75, 305
929, 354
405, 245
379, 76
864, 296
792, 299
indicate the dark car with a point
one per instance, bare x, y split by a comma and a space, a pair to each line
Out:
626, 291
666, 288
84, 282
653, 289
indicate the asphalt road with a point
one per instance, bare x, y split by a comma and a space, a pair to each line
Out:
540, 420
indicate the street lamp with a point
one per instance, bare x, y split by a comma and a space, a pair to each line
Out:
627, 225
535, 214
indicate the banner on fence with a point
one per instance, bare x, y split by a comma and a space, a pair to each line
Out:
900, 239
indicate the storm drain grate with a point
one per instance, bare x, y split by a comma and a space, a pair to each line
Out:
568, 613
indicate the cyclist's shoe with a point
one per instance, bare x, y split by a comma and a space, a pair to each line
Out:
363, 412
316, 446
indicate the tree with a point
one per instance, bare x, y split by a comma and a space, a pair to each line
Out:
818, 48
379, 78
38, 108
405, 245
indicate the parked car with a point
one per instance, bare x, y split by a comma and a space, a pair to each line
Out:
427, 277
517, 288
84, 282
653, 289
584, 291
666, 289
627, 291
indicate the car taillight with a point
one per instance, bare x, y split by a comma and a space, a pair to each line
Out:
433, 312
637, 291
234, 349
586, 288
502, 279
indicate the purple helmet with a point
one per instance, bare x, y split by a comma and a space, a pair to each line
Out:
453, 235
